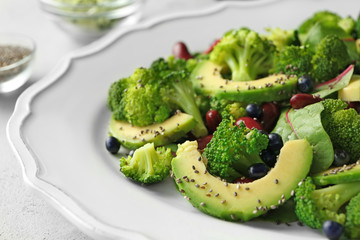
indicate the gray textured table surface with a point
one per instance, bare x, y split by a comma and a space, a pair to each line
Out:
23, 213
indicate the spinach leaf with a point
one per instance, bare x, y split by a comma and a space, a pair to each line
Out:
306, 123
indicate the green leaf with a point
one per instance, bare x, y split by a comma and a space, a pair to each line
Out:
306, 123
334, 85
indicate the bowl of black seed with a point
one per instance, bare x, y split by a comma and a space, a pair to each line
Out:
16, 58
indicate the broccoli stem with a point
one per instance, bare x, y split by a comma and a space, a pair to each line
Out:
184, 97
336, 195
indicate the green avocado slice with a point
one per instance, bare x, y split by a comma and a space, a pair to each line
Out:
243, 202
207, 80
169, 131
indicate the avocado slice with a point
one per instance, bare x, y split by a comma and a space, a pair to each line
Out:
170, 130
234, 202
207, 80
351, 92
336, 175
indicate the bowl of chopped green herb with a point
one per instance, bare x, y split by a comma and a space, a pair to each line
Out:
16, 58
90, 19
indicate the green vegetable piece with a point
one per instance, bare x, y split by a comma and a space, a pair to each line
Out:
331, 58
147, 165
306, 124
343, 126
281, 38
334, 85
337, 175
245, 53
232, 150
352, 222
315, 206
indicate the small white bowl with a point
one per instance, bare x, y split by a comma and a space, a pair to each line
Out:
91, 20
16, 60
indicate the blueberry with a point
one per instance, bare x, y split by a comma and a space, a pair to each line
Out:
258, 170
305, 84
254, 110
268, 157
275, 142
341, 157
332, 230
112, 145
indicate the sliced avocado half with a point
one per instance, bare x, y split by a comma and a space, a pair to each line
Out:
234, 202
207, 79
170, 130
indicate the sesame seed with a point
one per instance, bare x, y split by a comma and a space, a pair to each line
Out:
199, 159
238, 186
273, 207
182, 191
292, 193
197, 185
205, 172
203, 187
232, 216
223, 201
204, 183
192, 180
226, 184
193, 167
259, 201
255, 211
210, 190
235, 194
216, 195
196, 171
247, 188
202, 204
276, 181
208, 195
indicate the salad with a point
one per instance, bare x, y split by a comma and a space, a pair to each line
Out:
260, 126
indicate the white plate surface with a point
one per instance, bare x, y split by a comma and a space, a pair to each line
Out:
60, 123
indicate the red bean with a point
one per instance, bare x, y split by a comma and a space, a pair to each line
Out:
212, 46
249, 123
269, 116
242, 180
180, 51
203, 142
355, 105
301, 100
213, 119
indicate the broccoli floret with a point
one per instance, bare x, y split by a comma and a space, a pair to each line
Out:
232, 150
281, 38
343, 126
233, 111
315, 206
176, 88
330, 58
294, 60
151, 95
352, 222
245, 53
228, 109
147, 165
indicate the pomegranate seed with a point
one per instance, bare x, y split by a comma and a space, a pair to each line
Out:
242, 180
269, 116
249, 123
212, 46
213, 119
203, 142
301, 100
180, 51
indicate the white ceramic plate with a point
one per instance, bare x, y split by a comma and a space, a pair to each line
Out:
60, 123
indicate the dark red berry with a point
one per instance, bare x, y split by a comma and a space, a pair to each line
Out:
213, 119
270, 115
354, 105
243, 180
203, 142
249, 123
301, 100
212, 46
180, 51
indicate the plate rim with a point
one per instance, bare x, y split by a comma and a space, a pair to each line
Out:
69, 208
